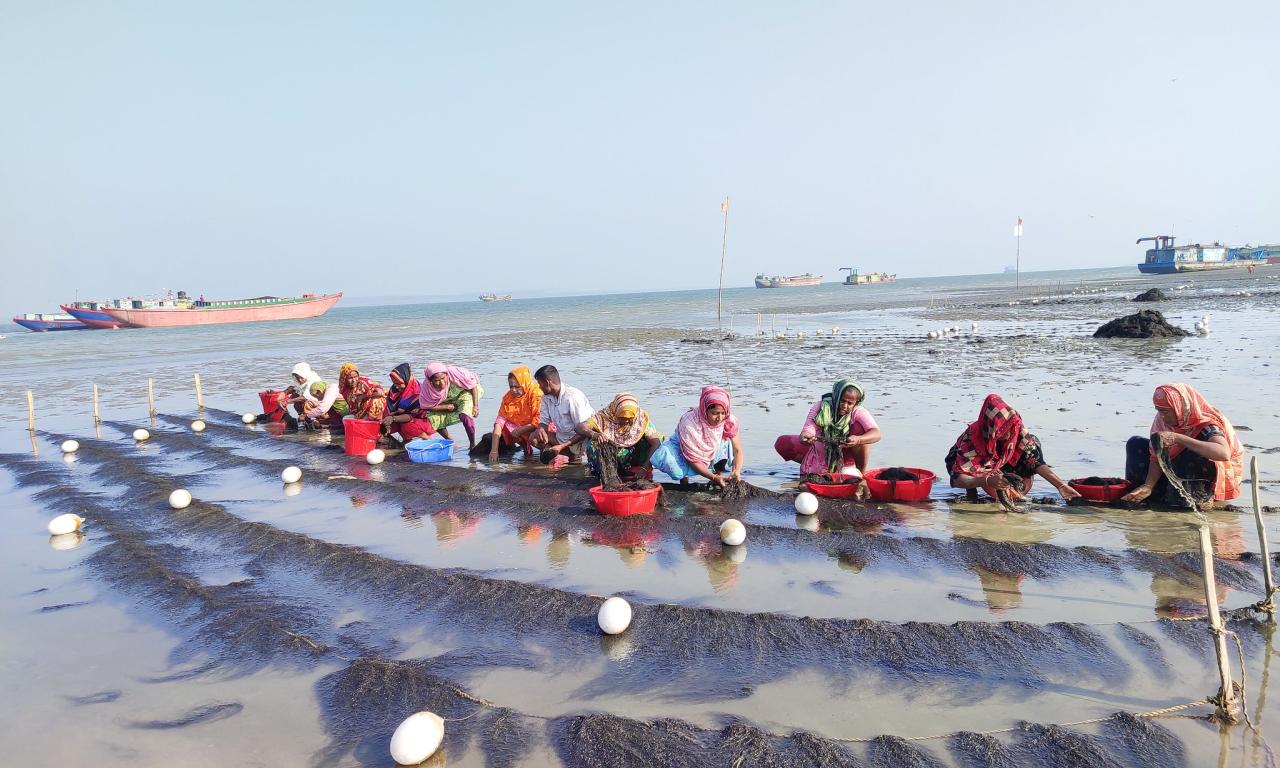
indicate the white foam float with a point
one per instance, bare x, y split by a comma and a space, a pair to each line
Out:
68, 523
70, 446
197, 426
417, 738
614, 616
141, 435
376, 456
248, 418
291, 475
180, 499
733, 532
806, 503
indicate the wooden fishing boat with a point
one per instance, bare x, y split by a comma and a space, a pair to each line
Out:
183, 311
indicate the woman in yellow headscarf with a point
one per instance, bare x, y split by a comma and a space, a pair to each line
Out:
625, 425
517, 415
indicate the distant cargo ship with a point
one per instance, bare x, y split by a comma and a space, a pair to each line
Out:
495, 297
806, 280
49, 321
1166, 258
184, 311
871, 278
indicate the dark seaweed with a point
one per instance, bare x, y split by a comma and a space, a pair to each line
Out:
1144, 324
210, 713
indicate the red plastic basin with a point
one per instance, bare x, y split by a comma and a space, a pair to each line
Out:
834, 491
902, 490
622, 503
270, 399
359, 436
1103, 493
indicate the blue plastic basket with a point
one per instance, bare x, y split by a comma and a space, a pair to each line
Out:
429, 451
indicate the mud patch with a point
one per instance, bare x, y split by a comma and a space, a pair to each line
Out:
1144, 324
102, 697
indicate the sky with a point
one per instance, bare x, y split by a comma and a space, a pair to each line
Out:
447, 149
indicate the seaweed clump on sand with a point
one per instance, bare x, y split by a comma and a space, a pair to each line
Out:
1143, 324
1101, 481
823, 479
894, 474
1152, 294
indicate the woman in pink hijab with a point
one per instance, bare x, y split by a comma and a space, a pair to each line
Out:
450, 394
705, 442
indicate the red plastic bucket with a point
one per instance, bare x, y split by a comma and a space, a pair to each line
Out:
622, 503
270, 399
902, 490
1103, 493
359, 436
840, 490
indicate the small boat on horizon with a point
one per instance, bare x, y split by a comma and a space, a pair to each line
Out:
488, 297
870, 278
807, 280
40, 322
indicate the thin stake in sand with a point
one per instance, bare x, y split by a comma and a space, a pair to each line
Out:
96, 418
31, 412
199, 396
1267, 605
151, 397
1226, 702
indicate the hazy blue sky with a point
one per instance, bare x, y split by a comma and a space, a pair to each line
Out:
239, 148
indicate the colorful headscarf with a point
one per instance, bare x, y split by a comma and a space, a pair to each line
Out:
308, 377
403, 395
1193, 413
429, 396
365, 399
623, 422
523, 410
834, 427
699, 440
991, 442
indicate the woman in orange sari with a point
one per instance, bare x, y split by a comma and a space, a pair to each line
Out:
517, 416
365, 399
1203, 451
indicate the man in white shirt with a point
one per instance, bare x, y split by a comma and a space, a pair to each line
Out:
560, 421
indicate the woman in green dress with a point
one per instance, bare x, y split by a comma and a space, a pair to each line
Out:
451, 394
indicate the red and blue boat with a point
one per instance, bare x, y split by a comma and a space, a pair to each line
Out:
49, 321
91, 314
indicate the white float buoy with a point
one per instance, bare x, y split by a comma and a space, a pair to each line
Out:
417, 738
733, 532
376, 456
614, 616
180, 499
70, 446
197, 426
248, 418
291, 475
141, 435
806, 503
932, 334
67, 523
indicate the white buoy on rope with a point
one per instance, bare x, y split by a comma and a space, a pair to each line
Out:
248, 418
180, 499
291, 475
70, 446
376, 456
733, 532
141, 435
806, 503
197, 426
63, 524
614, 616
417, 738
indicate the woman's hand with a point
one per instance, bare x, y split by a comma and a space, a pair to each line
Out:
851, 441
1167, 439
1141, 493
1068, 493
995, 484
717, 480
475, 409
388, 421
736, 475
808, 439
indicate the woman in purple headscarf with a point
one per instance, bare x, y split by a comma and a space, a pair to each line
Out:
450, 394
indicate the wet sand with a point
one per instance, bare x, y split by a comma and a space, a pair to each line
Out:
298, 625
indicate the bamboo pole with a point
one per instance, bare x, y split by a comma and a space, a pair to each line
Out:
199, 396
1268, 604
31, 412
1226, 702
151, 397
96, 418
724, 249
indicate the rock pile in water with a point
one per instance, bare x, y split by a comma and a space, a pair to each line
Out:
1144, 324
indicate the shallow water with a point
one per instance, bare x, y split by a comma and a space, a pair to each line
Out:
82, 643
